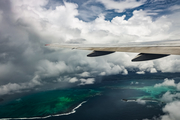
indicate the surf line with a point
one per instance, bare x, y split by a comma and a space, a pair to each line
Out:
73, 111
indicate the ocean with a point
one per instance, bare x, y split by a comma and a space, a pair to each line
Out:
117, 97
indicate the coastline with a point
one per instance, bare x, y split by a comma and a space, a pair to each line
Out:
56, 115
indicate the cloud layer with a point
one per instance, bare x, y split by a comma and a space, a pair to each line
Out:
27, 25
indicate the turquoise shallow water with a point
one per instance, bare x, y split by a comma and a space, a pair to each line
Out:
104, 101
148, 92
46, 103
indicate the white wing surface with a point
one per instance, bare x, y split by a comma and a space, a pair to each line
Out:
147, 50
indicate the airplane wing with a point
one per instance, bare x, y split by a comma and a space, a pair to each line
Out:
147, 50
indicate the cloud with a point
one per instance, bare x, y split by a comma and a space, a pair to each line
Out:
87, 81
81, 81
142, 102
85, 74
50, 69
15, 87
102, 73
137, 83
171, 100
167, 83
174, 8
171, 110
27, 25
153, 70
168, 97
73, 80
178, 86
89, 12
140, 72
120, 6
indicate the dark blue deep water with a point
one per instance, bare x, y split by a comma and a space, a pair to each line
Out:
114, 98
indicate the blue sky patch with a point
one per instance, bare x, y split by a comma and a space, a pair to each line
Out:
89, 10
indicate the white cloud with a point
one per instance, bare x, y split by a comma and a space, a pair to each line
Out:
140, 72
121, 6
1, 15
178, 86
49, 69
15, 87
169, 64
172, 111
153, 70
140, 101
85, 74
73, 80
125, 72
175, 7
87, 81
166, 82
32, 3
168, 97
172, 100
102, 73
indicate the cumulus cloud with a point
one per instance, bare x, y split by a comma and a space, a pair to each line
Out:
137, 83
87, 81
153, 70
134, 83
169, 97
172, 111
171, 100
174, 8
140, 72
15, 87
120, 6
167, 83
85, 74
142, 102
178, 86
81, 81
73, 80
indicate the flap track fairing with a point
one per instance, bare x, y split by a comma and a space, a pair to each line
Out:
99, 53
148, 56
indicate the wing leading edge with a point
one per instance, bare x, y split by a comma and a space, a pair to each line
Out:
148, 51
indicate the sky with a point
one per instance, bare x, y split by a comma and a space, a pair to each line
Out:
26, 26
